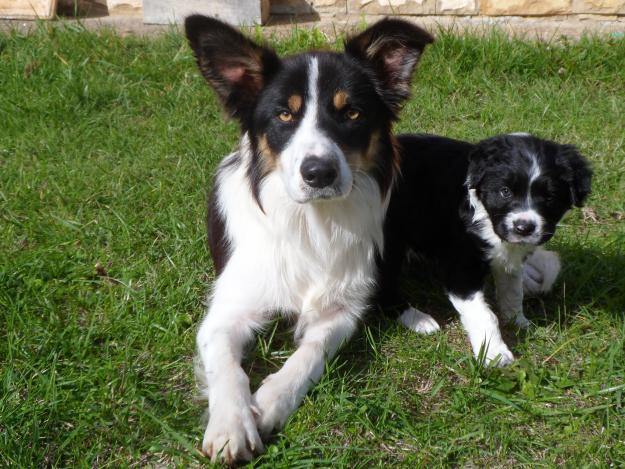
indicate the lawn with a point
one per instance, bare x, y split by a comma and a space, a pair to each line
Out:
107, 149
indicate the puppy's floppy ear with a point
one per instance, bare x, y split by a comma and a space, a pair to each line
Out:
236, 67
477, 165
575, 171
393, 48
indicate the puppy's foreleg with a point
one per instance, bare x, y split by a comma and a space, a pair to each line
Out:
231, 434
509, 286
282, 392
482, 328
540, 271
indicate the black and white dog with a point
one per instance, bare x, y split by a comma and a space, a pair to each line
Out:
479, 208
296, 213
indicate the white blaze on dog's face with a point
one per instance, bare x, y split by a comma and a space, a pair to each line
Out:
526, 185
319, 118
306, 137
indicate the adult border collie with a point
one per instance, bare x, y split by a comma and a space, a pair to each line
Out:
296, 213
479, 208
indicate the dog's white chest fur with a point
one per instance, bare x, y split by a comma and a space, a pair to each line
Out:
306, 258
503, 256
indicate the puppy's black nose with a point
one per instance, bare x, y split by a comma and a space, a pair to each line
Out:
318, 172
524, 227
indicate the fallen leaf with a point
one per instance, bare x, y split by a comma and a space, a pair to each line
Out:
589, 214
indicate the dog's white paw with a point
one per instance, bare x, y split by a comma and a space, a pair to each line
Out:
498, 354
274, 405
418, 321
540, 272
231, 435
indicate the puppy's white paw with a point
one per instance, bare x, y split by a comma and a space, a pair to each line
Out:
418, 321
498, 354
274, 404
231, 435
540, 272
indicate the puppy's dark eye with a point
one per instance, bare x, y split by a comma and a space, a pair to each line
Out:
352, 114
505, 192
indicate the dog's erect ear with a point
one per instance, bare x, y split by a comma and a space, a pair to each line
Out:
576, 172
236, 67
393, 48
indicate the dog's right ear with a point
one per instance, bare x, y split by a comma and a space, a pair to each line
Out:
236, 67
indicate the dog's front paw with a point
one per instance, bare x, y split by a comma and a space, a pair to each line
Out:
540, 272
274, 405
517, 319
498, 354
231, 436
418, 321
521, 321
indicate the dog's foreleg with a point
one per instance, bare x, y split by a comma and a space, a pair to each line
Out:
282, 392
231, 434
540, 271
509, 286
482, 328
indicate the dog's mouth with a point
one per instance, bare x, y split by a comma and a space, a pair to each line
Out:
535, 239
522, 242
326, 194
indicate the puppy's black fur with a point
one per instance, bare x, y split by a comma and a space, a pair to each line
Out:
431, 213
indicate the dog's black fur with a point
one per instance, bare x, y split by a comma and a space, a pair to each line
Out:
430, 212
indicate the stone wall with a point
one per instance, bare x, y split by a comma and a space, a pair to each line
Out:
417, 7
450, 7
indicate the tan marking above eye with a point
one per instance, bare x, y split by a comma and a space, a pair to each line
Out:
352, 114
340, 100
295, 103
285, 116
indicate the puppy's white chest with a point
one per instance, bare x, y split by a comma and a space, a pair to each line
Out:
509, 257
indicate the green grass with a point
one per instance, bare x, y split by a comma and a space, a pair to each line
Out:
107, 148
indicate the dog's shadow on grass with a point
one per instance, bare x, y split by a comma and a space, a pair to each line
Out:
591, 280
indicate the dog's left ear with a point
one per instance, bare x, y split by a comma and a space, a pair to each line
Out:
481, 157
576, 172
477, 167
392, 48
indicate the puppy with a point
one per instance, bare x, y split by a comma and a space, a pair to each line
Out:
296, 213
479, 208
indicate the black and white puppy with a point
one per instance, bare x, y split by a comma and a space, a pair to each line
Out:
296, 213
476, 208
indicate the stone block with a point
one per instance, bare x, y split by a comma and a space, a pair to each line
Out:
27, 9
236, 12
599, 6
457, 7
524, 7
391, 7
308, 7
125, 7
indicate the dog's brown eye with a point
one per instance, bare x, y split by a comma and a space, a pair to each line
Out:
285, 116
352, 114
505, 192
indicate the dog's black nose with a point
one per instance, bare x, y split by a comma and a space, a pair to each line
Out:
524, 227
318, 172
